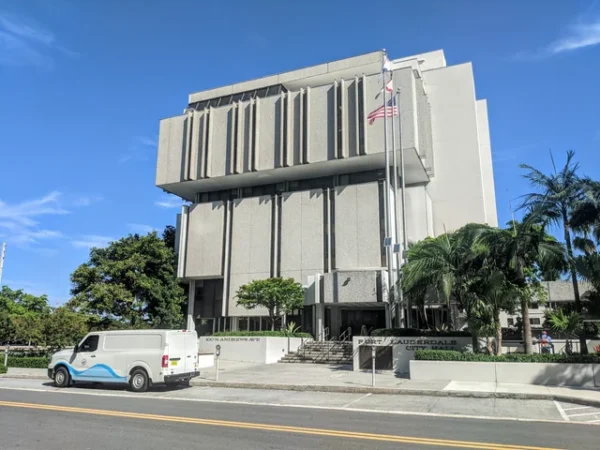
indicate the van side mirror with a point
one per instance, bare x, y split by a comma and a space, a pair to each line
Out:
75, 348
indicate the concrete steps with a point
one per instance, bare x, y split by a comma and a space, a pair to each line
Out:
331, 352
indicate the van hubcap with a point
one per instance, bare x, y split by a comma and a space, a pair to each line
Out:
138, 381
60, 378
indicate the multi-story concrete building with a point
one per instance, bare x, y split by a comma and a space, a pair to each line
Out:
285, 177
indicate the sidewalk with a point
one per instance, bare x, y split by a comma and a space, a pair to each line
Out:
324, 378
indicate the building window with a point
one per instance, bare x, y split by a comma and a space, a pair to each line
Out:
535, 305
511, 322
243, 324
254, 324
535, 321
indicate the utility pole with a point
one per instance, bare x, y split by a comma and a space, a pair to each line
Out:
2, 261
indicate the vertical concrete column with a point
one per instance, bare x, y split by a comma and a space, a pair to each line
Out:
319, 320
190, 309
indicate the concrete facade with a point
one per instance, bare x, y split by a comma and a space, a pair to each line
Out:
285, 177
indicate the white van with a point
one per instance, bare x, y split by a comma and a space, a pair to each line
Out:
139, 358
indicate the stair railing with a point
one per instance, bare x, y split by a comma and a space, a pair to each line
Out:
346, 334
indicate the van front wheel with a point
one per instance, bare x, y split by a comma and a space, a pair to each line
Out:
61, 377
138, 381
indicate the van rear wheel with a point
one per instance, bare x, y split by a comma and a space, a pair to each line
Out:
138, 382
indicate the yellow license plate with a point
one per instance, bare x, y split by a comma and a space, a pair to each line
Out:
173, 363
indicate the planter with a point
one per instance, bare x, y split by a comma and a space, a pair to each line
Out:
252, 349
544, 374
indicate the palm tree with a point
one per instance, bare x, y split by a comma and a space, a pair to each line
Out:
447, 267
523, 251
496, 295
557, 197
568, 323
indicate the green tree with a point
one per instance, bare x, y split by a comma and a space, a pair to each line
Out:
555, 201
447, 267
64, 327
168, 236
22, 316
523, 251
277, 295
496, 294
568, 323
132, 282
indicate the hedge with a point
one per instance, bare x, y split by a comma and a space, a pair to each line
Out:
3, 369
29, 362
449, 355
414, 332
263, 334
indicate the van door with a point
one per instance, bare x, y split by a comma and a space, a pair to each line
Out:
176, 353
191, 352
91, 364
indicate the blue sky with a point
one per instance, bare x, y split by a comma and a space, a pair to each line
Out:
83, 85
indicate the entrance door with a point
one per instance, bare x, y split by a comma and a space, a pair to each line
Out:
357, 318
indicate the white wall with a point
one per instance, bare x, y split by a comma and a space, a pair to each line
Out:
250, 248
302, 240
456, 190
357, 231
204, 252
487, 169
586, 375
260, 350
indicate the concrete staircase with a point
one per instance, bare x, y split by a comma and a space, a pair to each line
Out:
321, 352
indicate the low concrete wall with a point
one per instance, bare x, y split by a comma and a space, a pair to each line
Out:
545, 374
449, 371
261, 350
206, 360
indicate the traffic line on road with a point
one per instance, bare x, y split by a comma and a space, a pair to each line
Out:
579, 407
561, 411
277, 428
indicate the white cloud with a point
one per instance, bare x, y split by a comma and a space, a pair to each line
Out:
141, 149
19, 222
169, 201
580, 35
140, 228
86, 200
25, 42
92, 240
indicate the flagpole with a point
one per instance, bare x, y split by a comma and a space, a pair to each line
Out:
403, 187
388, 249
400, 302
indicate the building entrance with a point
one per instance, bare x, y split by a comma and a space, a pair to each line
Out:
362, 320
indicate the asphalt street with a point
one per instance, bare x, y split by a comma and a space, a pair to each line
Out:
57, 420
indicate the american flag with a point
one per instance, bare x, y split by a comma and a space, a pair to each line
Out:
392, 110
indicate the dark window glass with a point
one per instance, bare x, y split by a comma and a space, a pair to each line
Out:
90, 344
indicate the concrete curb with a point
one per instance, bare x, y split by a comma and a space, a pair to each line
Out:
399, 391
24, 376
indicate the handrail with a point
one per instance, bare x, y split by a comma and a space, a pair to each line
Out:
346, 334
324, 335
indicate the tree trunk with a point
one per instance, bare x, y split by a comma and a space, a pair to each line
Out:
526, 327
272, 317
582, 341
474, 337
498, 327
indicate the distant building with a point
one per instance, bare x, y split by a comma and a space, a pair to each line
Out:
285, 177
559, 294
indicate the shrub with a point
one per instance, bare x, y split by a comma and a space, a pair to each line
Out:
29, 362
448, 355
3, 369
414, 332
263, 334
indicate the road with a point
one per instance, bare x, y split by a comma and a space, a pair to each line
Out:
57, 420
